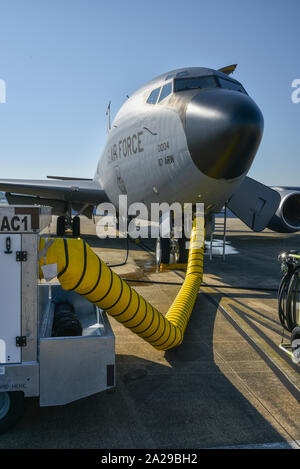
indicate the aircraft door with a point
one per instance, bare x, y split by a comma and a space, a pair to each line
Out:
120, 181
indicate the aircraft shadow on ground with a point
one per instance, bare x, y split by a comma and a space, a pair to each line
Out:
192, 403
189, 403
186, 403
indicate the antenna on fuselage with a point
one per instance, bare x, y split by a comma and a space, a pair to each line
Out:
108, 117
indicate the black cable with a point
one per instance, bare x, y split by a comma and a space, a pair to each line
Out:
126, 256
287, 298
149, 250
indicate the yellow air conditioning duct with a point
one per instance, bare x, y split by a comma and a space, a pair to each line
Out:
81, 270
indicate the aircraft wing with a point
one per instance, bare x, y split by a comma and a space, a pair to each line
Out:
68, 178
55, 193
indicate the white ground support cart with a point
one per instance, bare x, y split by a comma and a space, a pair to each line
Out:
35, 359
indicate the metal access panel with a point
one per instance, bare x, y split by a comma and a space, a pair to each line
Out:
74, 367
10, 295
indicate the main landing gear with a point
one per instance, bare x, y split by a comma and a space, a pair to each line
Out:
171, 250
66, 222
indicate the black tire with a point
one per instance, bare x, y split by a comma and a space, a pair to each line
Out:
183, 252
60, 226
295, 335
295, 342
76, 226
11, 409
163, 251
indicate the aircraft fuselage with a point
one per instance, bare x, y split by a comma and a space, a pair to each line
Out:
193, 141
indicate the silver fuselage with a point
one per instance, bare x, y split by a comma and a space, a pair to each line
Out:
186, 148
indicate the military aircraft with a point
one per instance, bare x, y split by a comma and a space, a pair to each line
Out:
188, 135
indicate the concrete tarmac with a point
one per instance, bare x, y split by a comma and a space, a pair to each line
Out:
227, 385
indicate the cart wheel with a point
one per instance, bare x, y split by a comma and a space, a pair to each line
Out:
11, 409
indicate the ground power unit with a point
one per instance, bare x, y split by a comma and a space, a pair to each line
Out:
54, 344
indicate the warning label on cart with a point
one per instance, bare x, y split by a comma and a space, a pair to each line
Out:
2, 370
15, 223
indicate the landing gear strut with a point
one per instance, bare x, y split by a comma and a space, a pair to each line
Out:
172, 250
183, 251
162, 251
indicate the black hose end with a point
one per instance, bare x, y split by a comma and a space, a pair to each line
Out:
65, 323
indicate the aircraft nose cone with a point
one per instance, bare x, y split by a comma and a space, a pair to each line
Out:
223, 130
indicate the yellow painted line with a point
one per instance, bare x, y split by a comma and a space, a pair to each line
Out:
172, 266
284, 367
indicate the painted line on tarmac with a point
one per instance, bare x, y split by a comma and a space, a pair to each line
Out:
229, 305
280, 445
290, 377
292, 380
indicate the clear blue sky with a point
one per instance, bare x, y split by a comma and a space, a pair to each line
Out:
63, 60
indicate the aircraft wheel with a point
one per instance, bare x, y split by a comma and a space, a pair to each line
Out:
76, 226
163, 251
11, 409
183, 252
60, 226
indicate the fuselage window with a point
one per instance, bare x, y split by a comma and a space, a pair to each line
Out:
194, 83
153, 96
231, 85
165, 91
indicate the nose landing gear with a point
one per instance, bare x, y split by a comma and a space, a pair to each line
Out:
171, 251
162, 251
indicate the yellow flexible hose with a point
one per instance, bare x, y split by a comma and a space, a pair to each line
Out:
81, 270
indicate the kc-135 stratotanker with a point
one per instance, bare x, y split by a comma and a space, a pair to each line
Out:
189, 135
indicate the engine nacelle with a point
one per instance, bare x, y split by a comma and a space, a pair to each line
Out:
287, 217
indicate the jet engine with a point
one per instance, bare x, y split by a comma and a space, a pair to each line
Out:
287, 217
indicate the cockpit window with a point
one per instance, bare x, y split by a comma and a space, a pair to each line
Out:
195, 83
165, 91
231, 85
153, 96
182, 74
